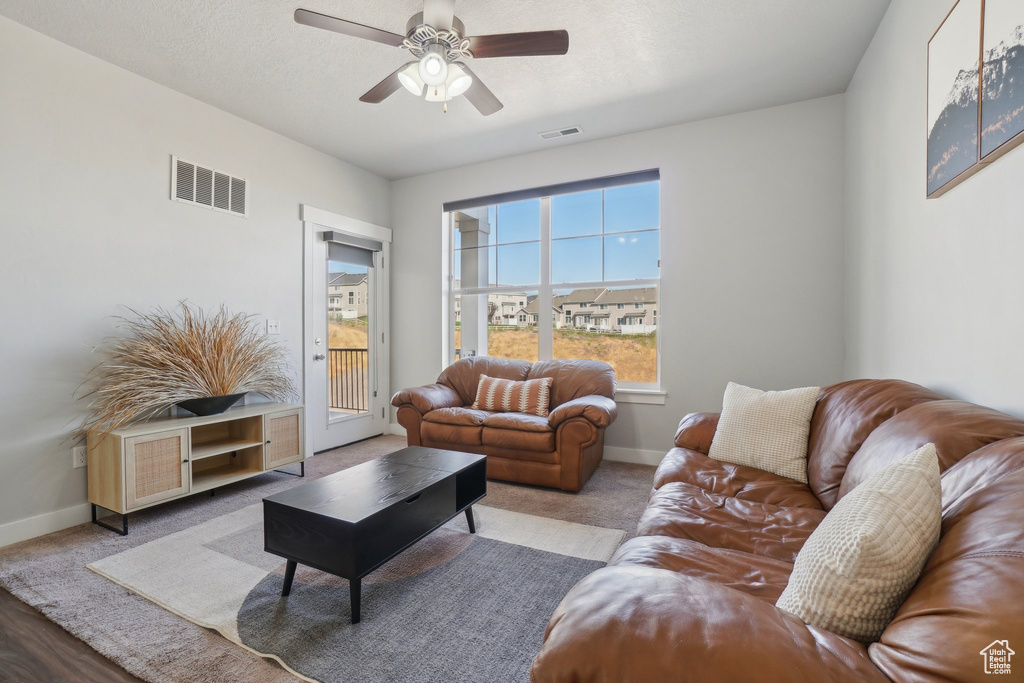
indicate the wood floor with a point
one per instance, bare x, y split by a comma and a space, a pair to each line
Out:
33, 649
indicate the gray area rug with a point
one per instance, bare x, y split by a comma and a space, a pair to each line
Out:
454, 607
154, 644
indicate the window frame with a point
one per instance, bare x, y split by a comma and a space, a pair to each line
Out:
630, 392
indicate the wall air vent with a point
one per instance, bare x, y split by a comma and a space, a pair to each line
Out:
560, 133
201, 186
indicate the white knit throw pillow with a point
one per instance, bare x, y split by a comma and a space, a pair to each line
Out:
858, 566
765, 429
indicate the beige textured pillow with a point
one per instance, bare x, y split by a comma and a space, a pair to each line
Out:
765, 429
856, 569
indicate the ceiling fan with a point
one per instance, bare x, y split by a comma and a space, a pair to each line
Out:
438, 41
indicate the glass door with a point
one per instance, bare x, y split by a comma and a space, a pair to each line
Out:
344, 396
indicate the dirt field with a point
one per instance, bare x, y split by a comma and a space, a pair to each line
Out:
634, 357
348, 334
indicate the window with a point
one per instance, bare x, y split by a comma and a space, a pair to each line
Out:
602, 251
350, 298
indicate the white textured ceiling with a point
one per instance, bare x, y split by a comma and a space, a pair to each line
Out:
632, 65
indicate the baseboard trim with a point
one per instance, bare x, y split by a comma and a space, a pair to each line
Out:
636, 456
47, 523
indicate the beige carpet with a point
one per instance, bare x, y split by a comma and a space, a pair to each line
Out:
50, 572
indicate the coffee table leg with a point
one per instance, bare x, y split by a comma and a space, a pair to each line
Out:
289, 574
469, 520
354, 591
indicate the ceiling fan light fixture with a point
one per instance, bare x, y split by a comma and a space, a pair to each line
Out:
458, 80
433, 68
409, 77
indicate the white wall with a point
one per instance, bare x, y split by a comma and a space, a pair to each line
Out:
86, 224
934, 286
752, 254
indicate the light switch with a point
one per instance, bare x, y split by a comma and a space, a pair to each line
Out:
273, 326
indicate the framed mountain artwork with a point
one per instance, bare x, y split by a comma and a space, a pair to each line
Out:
1002, 84
975, 89
953, 108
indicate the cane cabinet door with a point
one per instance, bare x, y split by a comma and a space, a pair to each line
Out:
156, 467
283, 434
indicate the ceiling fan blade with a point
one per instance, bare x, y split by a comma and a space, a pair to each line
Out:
385, 88
520, 44
439, 13
480, 96
349, 28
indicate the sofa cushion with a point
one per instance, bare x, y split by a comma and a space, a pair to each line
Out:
765, 429
512, 439
955, 427
981, 468
457, 416
532, 397
628, 623
861, 562
969, 594
760, 576
745, 483
464, 375
575, 379
441, 435
683, 510
521, 422
844, 417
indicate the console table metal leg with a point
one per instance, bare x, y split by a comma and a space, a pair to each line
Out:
289, 575
98, 522
355, 587
469, 520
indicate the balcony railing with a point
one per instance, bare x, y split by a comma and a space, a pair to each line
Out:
349, 379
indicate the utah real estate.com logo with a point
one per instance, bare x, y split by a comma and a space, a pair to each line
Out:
997, 657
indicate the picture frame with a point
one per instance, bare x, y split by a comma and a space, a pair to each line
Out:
1002, 84
975, 90
954, 53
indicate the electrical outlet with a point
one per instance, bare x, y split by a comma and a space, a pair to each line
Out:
273, 327
78, 456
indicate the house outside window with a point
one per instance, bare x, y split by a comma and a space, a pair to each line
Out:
351, 298
601, 250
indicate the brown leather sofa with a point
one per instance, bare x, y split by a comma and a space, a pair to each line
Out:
560, 451
692, 597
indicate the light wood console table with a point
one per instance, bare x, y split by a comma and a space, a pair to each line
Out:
152, 462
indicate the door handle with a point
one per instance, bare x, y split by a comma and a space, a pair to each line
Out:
319, 356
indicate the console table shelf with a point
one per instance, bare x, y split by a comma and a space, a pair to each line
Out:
159, 460
200, 451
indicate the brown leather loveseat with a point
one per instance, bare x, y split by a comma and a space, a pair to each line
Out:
560, 451
692, 596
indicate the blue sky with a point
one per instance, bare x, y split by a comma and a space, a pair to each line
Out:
577, 237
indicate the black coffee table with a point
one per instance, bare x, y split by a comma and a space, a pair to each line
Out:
352, 522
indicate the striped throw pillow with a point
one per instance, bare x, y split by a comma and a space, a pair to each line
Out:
510, 396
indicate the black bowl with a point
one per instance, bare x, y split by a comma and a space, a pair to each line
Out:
210, 405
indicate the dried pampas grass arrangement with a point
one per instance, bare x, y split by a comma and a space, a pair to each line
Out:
166, 357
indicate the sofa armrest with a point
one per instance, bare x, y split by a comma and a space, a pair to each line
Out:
696, 431
600, 410
630, 623
427, 398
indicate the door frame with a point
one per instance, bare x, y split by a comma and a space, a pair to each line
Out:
315, 221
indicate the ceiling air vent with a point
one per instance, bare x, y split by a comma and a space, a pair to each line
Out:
201, 186
560, 133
